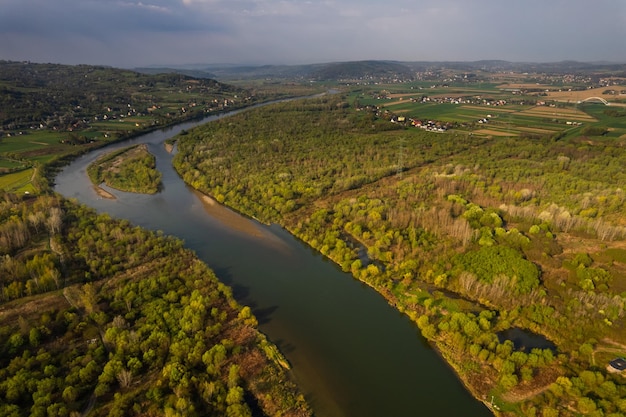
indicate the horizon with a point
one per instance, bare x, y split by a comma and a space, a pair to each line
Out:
208, 66
136, 33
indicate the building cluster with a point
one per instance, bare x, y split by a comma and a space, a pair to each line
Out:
475, 100
429, 125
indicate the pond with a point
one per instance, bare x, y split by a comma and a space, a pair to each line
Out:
525, 340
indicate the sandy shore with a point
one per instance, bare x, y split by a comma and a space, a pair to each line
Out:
104, 193
239, 223
229, 218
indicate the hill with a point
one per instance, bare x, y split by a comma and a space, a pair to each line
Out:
195, 73
58, 96
333, 71
358, 70
51, 111
385, 70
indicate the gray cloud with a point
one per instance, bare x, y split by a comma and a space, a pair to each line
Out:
132, 32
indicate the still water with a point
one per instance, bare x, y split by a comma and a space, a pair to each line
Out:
351, 353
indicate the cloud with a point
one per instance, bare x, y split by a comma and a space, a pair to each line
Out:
132, 32
96, 18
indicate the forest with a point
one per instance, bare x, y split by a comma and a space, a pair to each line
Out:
103, 318
470, 236
97, 316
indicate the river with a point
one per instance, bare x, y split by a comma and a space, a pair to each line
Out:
351, 353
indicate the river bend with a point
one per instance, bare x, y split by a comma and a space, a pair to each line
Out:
351, 353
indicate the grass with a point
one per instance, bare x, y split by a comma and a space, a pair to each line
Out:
44, 146
18, 182
7, 164
616, 254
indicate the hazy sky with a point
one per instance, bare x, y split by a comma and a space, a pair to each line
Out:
128, 33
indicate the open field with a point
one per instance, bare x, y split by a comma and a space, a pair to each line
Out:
503, 109
493, 132
8, 165
559, 113
569, 95
18, 182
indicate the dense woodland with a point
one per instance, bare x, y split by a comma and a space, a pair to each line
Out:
468, 236
98, 317
130, 169
102, 318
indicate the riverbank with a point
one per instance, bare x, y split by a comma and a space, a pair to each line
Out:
448, 356
229, 217
321, 319
452, 360
104, 193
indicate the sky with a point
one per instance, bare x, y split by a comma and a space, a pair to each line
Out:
133, 33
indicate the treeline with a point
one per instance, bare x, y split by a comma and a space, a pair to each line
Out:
101, 318
469, 237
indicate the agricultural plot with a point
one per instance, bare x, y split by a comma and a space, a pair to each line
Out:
614, 118
502, 110
19, 182
35, 146
9, 165
568, 95
559, 113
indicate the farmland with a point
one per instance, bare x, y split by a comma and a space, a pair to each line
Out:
19, 181
503, 109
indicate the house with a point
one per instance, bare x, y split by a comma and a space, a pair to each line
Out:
617, 365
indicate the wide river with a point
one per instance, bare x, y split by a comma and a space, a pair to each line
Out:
351, 353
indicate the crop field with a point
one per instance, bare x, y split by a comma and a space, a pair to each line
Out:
7, 164
564, 94
36, 146
571, 114
504, 110
18, 181
494, 132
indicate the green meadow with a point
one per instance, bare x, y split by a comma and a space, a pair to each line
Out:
18, 182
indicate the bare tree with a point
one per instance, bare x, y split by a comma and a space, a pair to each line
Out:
125, 377
55, 221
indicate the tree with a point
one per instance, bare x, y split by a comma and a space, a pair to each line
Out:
70, 394
55, 220
586, 405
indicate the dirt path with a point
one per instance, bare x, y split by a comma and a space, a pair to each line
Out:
614, 347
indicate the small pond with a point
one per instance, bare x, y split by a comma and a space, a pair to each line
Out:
525, 339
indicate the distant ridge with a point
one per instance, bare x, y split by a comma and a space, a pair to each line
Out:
362, 69
372, 69
195, 73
